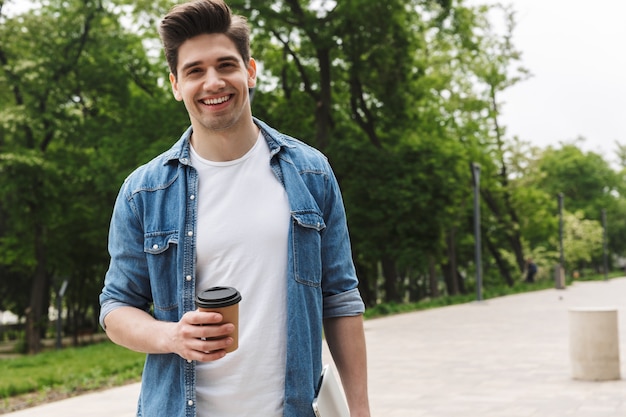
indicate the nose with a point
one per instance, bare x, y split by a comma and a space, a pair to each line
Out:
213, 80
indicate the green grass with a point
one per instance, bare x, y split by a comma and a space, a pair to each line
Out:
70, 370
425, 304
489, 291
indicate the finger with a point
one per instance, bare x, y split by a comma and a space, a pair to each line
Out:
207, 350
199, 356
191, 333
202, 317
214, 331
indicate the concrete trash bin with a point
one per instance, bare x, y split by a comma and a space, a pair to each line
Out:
594, 344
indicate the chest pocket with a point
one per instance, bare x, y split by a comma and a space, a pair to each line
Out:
159, 242
307, 247
161, 250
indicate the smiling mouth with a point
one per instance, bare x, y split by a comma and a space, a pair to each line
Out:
215, 101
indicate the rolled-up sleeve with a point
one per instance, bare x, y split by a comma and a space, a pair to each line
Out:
344, 304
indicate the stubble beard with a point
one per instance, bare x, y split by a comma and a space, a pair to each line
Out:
222, 122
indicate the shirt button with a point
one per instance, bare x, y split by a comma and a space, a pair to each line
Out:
155, 246
189, 361
192, 197
188, 277
190, 403
190, 233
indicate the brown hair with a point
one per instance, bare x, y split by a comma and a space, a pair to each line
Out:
200, 17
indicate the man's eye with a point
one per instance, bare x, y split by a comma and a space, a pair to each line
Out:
193, 71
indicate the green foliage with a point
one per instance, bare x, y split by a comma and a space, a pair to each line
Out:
85, 106
586, 180
582, 239
589, 186
405, 203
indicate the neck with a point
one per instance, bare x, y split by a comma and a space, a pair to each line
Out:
224, 145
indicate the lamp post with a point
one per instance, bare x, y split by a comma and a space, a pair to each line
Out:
562, 256
476, 179
559, 274
604, 244
60, 295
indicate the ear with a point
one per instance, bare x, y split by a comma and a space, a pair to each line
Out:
177, 95
251, 73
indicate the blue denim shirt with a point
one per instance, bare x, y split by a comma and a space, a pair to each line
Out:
152, 241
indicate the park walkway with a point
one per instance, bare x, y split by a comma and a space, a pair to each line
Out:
505, 357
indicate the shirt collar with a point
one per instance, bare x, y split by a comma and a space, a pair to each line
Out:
181, 149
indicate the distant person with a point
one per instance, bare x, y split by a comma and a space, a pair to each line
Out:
233, 203
531, 271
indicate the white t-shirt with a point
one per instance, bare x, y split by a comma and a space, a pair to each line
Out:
242, 241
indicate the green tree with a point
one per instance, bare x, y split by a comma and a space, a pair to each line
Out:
582, 240
588, 184
474, 64
586, 180
339, 92
497, 68
84, 107
411, 86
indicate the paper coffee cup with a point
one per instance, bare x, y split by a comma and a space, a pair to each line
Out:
223, 300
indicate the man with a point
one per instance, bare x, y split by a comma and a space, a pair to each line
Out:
235, 203
531, 270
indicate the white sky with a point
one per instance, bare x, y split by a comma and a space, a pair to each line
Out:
576, 51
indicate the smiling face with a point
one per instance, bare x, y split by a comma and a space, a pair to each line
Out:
213, 81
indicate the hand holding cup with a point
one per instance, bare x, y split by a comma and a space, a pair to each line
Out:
225, 301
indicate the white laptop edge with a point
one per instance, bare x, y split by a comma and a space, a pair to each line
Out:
329, 400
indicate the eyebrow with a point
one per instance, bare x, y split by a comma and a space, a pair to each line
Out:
226, 58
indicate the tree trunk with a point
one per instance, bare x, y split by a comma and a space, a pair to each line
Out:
323, 119
502, 266
367, 283
449, 267
511, 231
35, 317
432, 278
508, 224
415, 290
390, 275
460, 282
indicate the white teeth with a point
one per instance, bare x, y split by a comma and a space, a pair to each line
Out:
216, 100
